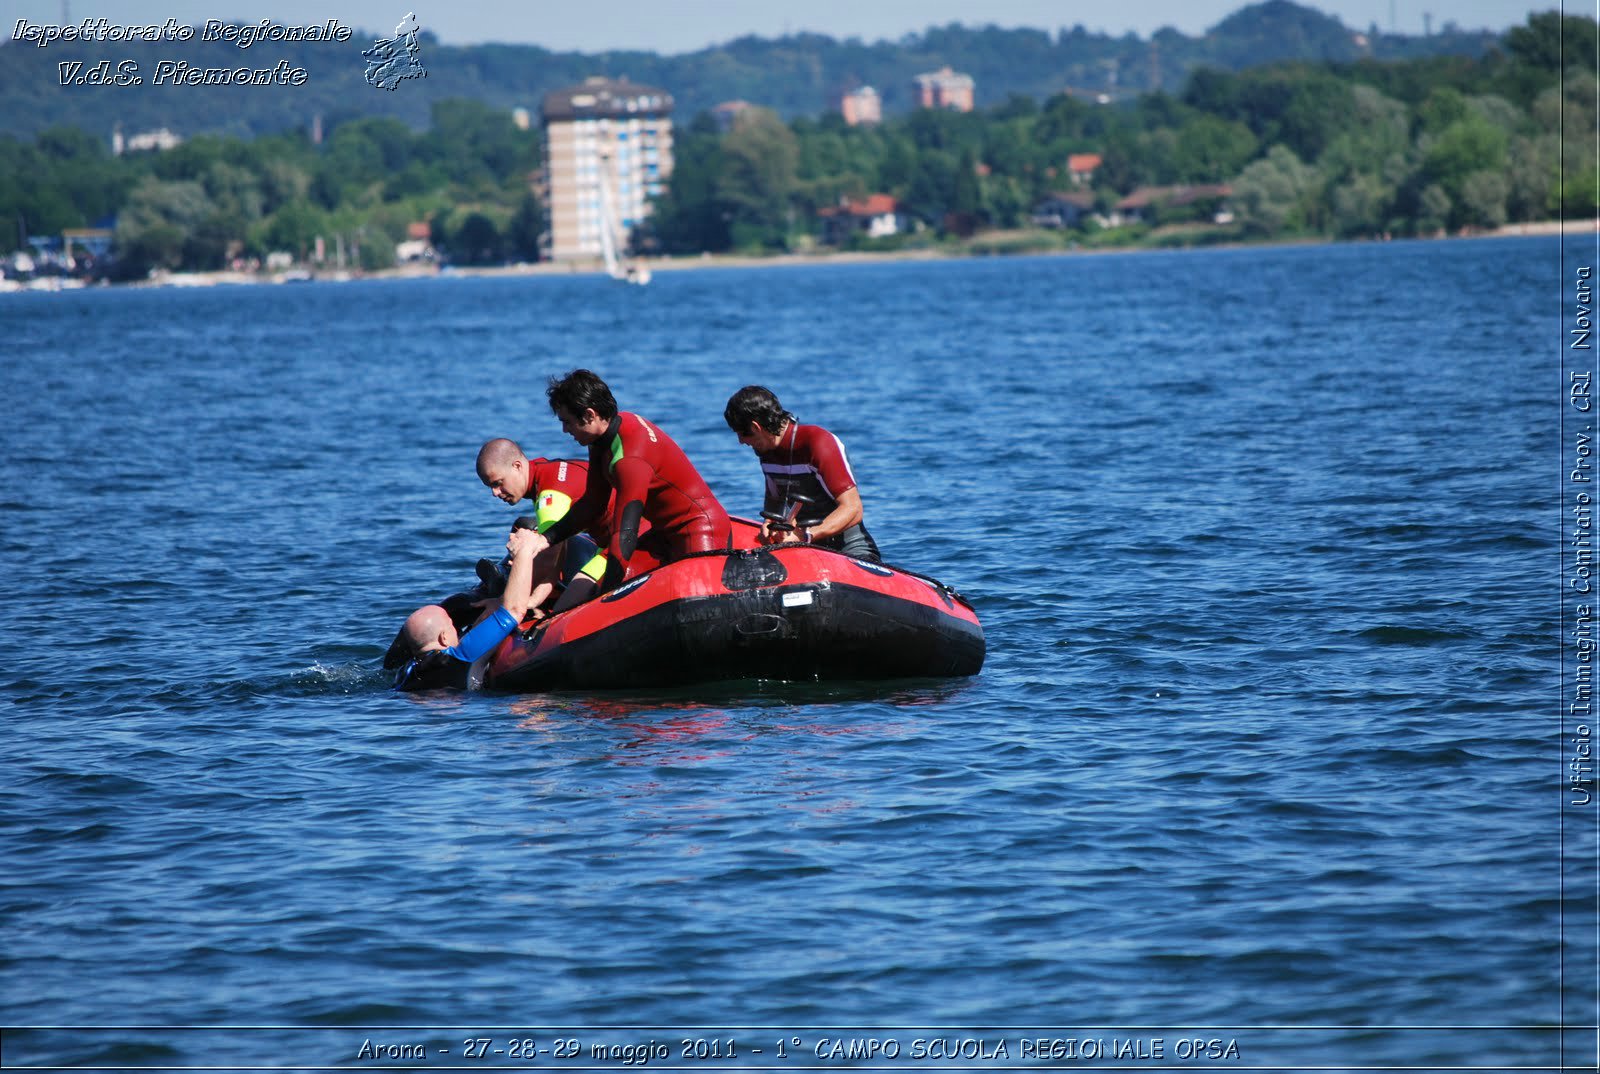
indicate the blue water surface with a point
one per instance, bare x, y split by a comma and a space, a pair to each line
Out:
1264, 541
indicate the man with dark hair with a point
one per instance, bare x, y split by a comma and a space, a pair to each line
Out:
805, 465
653, 479
576, 565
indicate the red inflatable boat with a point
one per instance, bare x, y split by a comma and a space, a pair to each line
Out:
792, 612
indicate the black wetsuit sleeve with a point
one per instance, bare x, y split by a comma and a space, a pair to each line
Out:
628, 528
633, 485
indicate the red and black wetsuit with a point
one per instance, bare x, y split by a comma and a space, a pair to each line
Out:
554, 485
655, 482
810, 461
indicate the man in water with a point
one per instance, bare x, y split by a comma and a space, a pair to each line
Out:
653, 479
439, 656
805, 461
576, 564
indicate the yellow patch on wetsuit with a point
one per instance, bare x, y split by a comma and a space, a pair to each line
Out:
595, 569
553, 506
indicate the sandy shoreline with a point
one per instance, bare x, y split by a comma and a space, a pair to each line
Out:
714, 261
728, 261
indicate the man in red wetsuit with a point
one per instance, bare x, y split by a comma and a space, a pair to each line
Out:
576, 565
553, 485
806, 461
653, 479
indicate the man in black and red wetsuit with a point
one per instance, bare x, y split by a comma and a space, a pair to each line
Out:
576, 565
553, 486
801, 460
653, 479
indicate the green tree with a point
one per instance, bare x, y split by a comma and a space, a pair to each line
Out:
474, 143
69, 144
1433, 209
760, 160
965, 197
1007, 200
1554, 42
235, 192
1272, 193
1359, 206
899, 164
1319, 108
689, 218
1533, 168
1006, 148
1445, 107
1483, 199
162, 224
476, 242
1064, 119
282, 182
292, 229
1210, 150
1579, 192
1121, 165
1469, 145
350, 163
932, 187
522, 235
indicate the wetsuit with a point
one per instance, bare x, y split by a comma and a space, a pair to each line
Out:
654, 481
810, 461
452, 668
553, 485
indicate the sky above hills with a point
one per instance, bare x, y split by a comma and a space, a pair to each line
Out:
687, 25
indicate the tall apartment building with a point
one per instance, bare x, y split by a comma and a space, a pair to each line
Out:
607, 143
861, 106
945, 88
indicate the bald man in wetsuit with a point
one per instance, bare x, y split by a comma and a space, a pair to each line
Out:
653, 480
577, 564
435, 654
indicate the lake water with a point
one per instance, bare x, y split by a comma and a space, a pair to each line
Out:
1267, 753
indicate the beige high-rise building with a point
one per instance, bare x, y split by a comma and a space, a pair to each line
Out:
607, 147
945, 88
860, 106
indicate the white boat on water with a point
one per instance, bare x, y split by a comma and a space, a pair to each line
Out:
612, 239
54, 283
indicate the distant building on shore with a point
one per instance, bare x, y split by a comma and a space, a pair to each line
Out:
607, 143
874, 217
944, 88
156, 139
1063, 209
861, 107
1198, 202
728, 112
1082, 166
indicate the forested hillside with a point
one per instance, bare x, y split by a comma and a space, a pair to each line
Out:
1340, 148
795, 76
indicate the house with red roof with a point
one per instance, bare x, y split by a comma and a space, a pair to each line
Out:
874, 217
1081, 167
1202, 202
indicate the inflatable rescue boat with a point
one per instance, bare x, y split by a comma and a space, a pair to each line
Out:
793, 612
